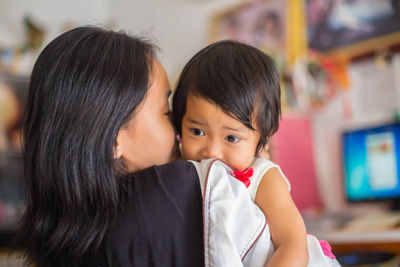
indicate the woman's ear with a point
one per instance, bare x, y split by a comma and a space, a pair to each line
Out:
118, 147
117, 153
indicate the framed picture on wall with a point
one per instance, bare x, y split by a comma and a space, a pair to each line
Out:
260, 23
352, 27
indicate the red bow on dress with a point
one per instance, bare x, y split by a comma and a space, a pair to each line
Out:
244, 176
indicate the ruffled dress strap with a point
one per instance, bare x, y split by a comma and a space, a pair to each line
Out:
260, 167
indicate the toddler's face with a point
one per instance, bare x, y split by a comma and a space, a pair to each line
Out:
208, 132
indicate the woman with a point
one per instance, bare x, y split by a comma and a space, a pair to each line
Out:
97, 120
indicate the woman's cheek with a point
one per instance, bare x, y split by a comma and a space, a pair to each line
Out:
170, 134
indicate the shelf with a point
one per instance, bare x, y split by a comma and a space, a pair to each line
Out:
11, 152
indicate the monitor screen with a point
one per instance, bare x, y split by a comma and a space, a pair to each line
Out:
371, 161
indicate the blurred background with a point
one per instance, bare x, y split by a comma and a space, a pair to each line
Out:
339, 61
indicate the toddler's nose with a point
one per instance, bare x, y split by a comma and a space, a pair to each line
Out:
212, 151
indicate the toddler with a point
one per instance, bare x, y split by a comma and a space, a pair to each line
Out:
227, 106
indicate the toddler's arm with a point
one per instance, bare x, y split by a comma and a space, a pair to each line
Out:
286, 225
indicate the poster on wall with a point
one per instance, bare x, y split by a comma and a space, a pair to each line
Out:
377, 97
352, 27
261, 24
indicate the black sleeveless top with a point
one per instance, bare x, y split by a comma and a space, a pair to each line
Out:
159, 222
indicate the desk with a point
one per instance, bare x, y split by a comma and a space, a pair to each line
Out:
8, 228
345, 241
375, 231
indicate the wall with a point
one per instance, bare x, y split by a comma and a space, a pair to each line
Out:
373, 97
292, 149
180, 27
51, 14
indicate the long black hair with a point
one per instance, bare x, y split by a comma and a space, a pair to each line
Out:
240, 79
85, 86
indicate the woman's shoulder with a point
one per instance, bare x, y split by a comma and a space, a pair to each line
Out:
160, 218
180, 170
160, 191
178, 178
175, 167
179, 167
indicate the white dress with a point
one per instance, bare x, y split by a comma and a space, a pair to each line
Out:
260, 167
235, 230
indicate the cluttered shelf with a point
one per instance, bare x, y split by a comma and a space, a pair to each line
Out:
11, 193
13, 95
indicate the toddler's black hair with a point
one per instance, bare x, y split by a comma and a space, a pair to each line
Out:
240, 79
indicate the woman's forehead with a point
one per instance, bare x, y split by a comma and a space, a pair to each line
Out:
159, 88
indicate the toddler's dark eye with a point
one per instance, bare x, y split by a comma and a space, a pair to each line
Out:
197, 132
232, 139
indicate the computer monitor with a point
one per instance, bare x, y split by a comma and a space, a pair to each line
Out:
371, 163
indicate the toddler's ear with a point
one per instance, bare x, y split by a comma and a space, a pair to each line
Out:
264, 152
179, 143
178, 138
